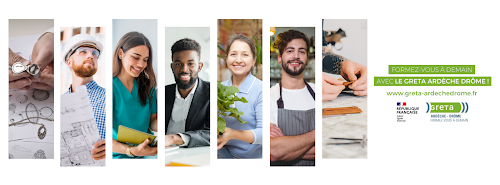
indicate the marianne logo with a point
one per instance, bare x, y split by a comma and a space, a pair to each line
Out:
402, 108
447, 107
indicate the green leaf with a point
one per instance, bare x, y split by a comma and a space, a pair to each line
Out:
221, 124
225, 98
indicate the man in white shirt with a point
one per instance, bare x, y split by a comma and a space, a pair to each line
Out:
292, 104
187, 102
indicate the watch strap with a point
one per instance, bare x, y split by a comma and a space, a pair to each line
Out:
128, 151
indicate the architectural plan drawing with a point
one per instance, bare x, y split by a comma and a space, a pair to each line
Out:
31, 125
78, 130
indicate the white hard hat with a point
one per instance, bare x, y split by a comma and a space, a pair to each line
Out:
79, 40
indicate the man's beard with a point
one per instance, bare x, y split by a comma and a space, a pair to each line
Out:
290, 71
85, 71
188, 85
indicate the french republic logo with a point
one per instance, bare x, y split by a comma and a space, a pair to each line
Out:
403, 109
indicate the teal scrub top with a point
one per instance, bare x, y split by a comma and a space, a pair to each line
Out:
128, 111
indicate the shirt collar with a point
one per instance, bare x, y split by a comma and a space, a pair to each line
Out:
178, 95
246, 85
90, 86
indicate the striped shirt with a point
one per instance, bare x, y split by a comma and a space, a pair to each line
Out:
97, 96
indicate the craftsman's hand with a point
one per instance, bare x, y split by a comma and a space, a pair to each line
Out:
18, 81
331, 87
349, 71
225, 137
276, 131
43, 51
144, 149
173, 139
46, 79
99, 151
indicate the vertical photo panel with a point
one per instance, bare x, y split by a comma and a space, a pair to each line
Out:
239, 89
345, 84
292, 97
134, 88
31, 89
187, 96
83, 96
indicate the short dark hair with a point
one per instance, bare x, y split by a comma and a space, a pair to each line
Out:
284, 38
242, 38
186, 44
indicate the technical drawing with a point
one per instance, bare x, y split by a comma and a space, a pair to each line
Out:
67, 111
12, 108
76, 146
46, 112
40, 95
32, 113
40, 154
22, 99
17, 148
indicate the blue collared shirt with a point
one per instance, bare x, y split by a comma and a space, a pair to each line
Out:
97, 96
251, 89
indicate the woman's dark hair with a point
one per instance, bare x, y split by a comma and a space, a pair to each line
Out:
146, 80
241, 38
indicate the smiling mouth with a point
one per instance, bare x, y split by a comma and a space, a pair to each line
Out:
137, 69
295, 63
238, 67
185, 77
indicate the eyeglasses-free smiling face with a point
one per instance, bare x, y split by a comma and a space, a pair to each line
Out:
135, 60
186, 65
294, 58
240, 58
84, 61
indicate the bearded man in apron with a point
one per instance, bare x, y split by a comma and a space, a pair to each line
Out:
292, 104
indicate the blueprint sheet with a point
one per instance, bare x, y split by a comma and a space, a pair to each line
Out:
78, 130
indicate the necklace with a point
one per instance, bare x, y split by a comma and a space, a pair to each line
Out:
41, 134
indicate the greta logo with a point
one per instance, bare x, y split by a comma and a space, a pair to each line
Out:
447, 107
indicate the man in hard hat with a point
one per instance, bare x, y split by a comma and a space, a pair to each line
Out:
81, 53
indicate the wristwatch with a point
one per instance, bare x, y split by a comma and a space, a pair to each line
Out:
128, 152
32, 69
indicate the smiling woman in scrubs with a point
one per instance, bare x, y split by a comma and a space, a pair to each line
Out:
134, 94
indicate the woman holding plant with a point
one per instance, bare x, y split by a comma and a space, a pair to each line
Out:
242, 140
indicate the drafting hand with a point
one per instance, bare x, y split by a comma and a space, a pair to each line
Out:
43, 51
349, 70
331, 87
173, 139
144, 149
225, 137
276, 131
18, 81
99, 151
46, 80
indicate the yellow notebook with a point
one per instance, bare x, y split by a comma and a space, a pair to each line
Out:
130, 136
